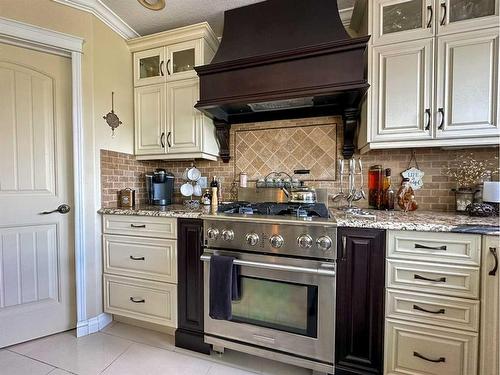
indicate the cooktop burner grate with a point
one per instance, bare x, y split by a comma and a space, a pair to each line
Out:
279, 209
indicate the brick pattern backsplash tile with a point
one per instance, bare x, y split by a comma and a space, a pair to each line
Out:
119, 171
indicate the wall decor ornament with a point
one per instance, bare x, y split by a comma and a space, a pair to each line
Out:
414, 174
111, 118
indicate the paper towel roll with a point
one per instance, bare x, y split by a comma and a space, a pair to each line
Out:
491, 191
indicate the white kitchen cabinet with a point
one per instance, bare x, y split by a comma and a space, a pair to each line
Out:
402, 90
149, 67
467, 84
183, 120
167, 126
402, 20
433, 84
465, 15
489, 344
140, 268
150, 119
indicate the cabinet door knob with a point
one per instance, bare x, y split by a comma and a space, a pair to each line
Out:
493, 272
440, 311
137, 300
418, 246
137, 258
161, 68
431, 15
168, 67
168, 139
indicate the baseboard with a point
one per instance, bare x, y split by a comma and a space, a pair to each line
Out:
147, 325
93, 325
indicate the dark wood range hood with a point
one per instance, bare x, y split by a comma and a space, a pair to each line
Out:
282, 59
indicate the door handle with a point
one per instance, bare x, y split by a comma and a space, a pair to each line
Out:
134, 300
137, 258
138, 225
493, 272
62, 209
428, 113
418, 355
443, 20
418, 246
162, 140
168, 139
431, 11
440, 311
441, 123
168, 67
161, 68
438, 280
344, 248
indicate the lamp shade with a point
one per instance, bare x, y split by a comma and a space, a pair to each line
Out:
491, 191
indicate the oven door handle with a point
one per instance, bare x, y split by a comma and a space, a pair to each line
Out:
325, 269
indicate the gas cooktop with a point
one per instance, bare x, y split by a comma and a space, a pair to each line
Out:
277, 209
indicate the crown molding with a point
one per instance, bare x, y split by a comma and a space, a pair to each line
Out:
105, 14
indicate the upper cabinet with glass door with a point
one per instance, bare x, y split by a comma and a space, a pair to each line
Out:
402, 20
176, 61
466, 15
149, 67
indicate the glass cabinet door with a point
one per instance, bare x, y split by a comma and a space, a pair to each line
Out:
464, 15
402, 20
182, 58
149, 67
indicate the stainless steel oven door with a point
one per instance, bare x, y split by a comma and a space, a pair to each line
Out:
286, 305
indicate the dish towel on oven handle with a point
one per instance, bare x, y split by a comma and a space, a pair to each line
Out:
224, 286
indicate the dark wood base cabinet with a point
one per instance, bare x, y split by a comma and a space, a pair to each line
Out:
359, 333
189, 334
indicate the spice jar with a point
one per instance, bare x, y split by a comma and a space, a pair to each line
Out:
375, 178
406, 196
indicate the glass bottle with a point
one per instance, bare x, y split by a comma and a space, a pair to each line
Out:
374, 185
389, 194
406, 196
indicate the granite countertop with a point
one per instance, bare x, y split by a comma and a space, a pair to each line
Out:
424, 221
174, 210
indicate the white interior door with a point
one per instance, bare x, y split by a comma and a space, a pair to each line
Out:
37, 291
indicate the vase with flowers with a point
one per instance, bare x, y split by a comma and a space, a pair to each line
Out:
469, 174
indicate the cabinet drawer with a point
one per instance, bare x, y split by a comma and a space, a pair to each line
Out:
144, 226
442, 311
435, 247
458, 281
147, 258
154, 302
419, 349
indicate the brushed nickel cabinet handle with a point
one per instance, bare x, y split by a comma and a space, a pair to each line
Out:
440, 311
438, 280
493, 272
137, 258
138, 225
135, 300
418, 355
418, 246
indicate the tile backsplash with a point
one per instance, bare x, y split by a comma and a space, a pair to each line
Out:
120, 170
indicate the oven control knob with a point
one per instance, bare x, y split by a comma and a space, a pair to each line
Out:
252, 239
227, 235
276, 241
305, 241
324, 243
212, 233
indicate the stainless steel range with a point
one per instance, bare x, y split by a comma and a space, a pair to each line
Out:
287, 306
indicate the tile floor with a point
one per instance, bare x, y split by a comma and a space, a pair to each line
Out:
122, 349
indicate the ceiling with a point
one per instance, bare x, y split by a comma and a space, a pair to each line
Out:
179, 13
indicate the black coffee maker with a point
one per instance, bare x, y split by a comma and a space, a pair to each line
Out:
160, 186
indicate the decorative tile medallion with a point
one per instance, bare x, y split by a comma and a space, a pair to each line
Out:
259, 152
